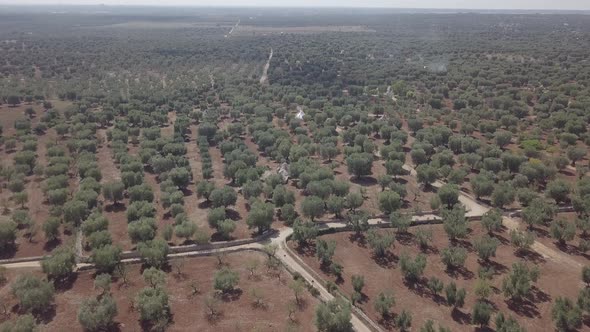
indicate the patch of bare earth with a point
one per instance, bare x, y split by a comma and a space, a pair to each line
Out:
383, 274
238, 312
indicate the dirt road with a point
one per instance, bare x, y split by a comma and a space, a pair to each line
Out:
264, 78
280, 240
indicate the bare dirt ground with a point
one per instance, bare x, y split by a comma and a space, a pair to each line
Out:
191, 202
168, 130
188, 312
193, 155
151, 180
557, 279
116, 215
198, 209
36, 205
9, 115
567, 253
108, 168
217, 161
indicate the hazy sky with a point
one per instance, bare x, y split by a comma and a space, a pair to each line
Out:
467, 4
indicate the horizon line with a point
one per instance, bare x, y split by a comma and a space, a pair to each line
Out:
289, 7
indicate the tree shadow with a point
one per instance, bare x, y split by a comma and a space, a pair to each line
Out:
233, 214
186, 192
218, 237
365, 181
148, 169
429, 249
8, 252
387, 261
530, 255
541, 232
460, 316
302, 304
460, 271
148, 325
204, 205
492, 304
406, 204
503, 240
50, 245
428, 188
47, 314
523, 307
567, 248
306, 250
405, 238
418, 287
387, 321
536, 295
400, 180
232, 295
483, 329
499, 268
359, 238
465, 244
567, 172
114, 327
115, 207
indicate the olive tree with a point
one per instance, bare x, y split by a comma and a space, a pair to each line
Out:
261, 216
518, 283
60, 264
152, 305
333, 315
32, 293
383, 304
312, 207
113, 191
97, 314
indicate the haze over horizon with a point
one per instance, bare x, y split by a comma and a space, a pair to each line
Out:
419, 4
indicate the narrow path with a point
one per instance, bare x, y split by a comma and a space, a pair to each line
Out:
212, 81
109, 170
264, 78
476, 209
233, 28
543, 250
168, 130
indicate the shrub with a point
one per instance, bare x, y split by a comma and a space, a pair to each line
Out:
517, 284
412, 269
486, 247
453, 257
566, 315
455, 297
482, 312
226, 280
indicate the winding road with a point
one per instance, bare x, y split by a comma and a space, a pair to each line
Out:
283, 254
359, 320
